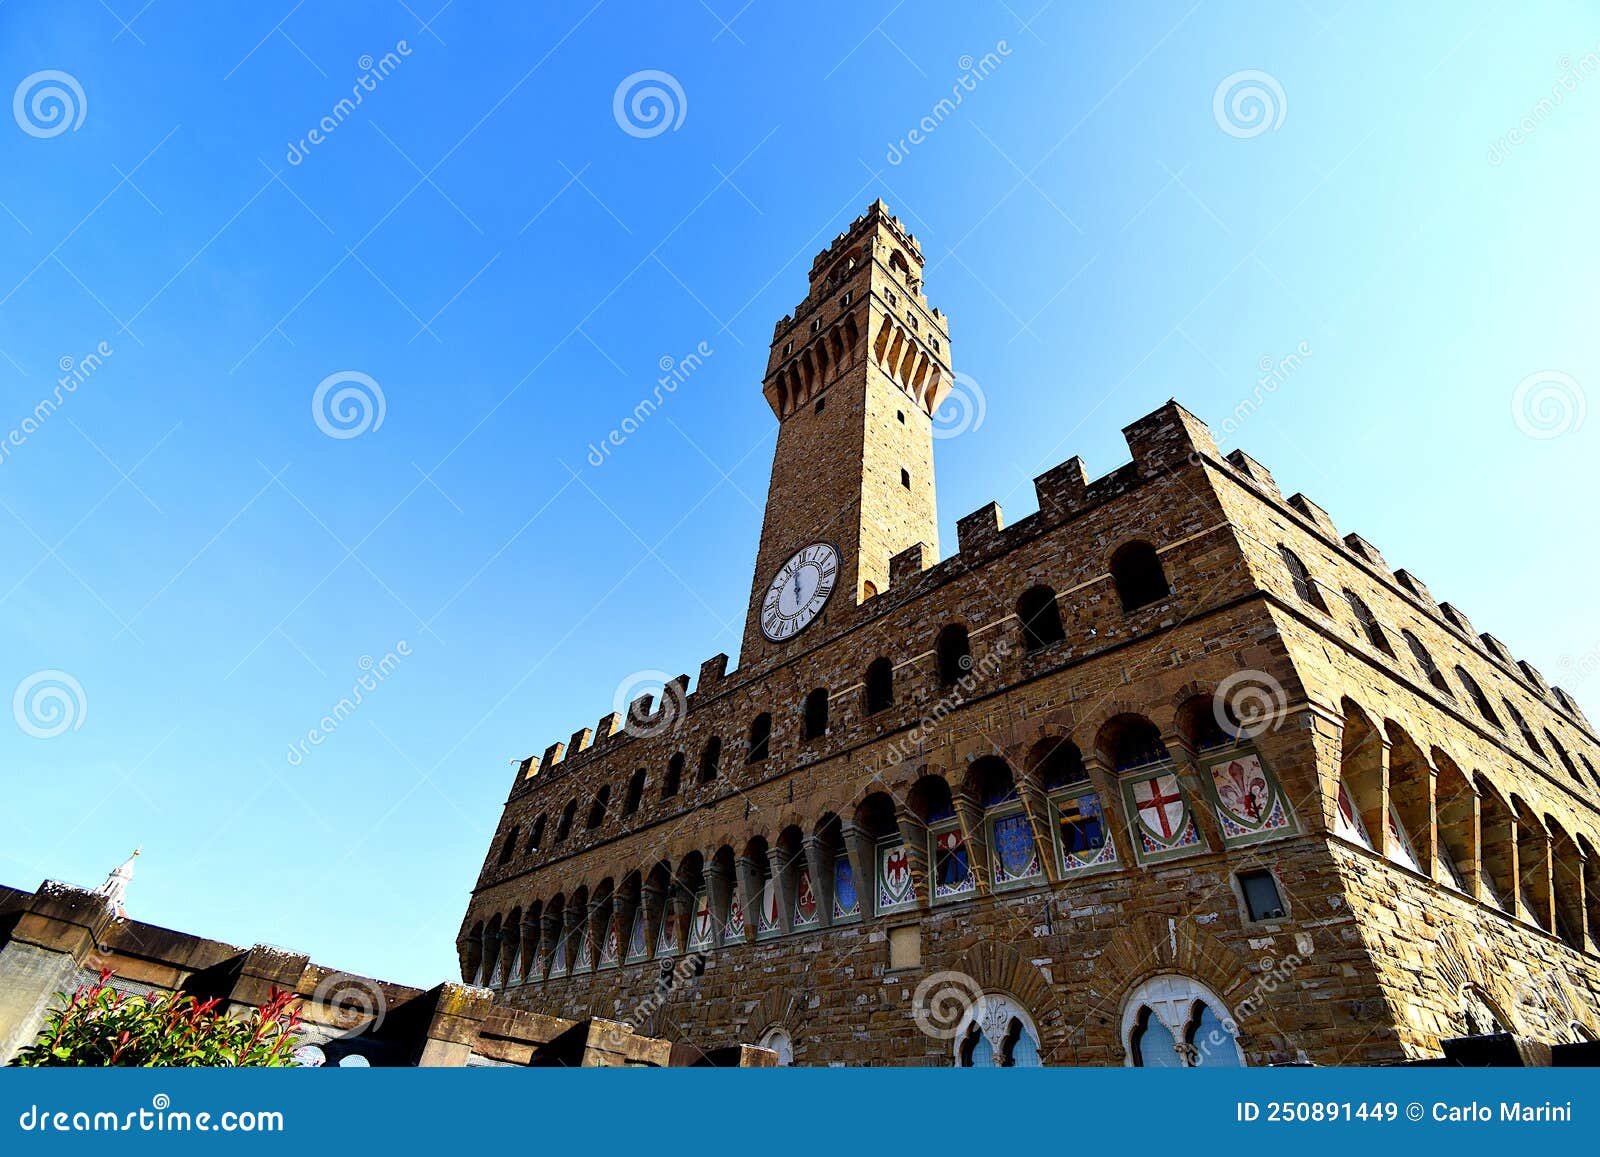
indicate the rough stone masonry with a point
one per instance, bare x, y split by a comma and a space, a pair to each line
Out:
1168, 772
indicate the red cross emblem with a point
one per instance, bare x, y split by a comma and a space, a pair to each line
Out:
1160, 806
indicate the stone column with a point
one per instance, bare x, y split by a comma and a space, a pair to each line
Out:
529, 951
719, 893
470, 951
491, 957
969, 814
547, 933
862, 850
914, 834
1036, 802
820, 859
571, 932
1196, 796
749, 883
1110, 792
654, 898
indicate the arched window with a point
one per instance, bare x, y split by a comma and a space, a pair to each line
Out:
1368, 623
1561, 752
673, 783
760, 738
1014, 855
1133, 741
948, 854
564, 824
710, 759
535, 836
1478, 1016
1425, 661
630, 802
816, 713
954, 654
997, 1032
1594, 775
1479, 699
1172, 1021
1041, 618
510, 845
777, 1039
880, 686
1136, 571
597, 810
1528, 736
1303, 584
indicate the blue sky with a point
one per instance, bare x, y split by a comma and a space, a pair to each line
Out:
484, 241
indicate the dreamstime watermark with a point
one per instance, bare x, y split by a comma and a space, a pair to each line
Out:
1572, 73
48, 704
941, 1002
1248, 703
674, 372
667, 982
373, 73
348, 404
973, 73
962, 410
74, 372
1581, 667
1274, 372
634, 698
48, 103
1248, 103
906, 746
356, 1003
648, 103
373, 673
1548, 404
161, 1117
1271, 975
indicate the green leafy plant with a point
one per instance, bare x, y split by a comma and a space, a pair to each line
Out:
97, 1026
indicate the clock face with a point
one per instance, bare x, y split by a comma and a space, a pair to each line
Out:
799, 591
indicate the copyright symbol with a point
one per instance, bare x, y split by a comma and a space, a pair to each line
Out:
1414, 1111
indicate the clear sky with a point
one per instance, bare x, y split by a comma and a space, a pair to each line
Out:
509, 262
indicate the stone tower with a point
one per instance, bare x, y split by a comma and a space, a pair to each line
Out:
854, 377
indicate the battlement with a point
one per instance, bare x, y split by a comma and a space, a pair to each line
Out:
1168, 439
877, 214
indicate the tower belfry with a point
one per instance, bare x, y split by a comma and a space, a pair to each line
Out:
854, 377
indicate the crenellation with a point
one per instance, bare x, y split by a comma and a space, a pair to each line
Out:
1416, 587
909, 563
980, 531
1063, 490
712, 672
1168, 438
1365, 551
1318, 516
1256, 472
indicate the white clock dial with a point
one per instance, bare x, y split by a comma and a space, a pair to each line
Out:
799, 591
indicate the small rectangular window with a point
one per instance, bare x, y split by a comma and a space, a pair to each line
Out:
905, 478
844, 302
901, 414
820, 403
1261, 897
